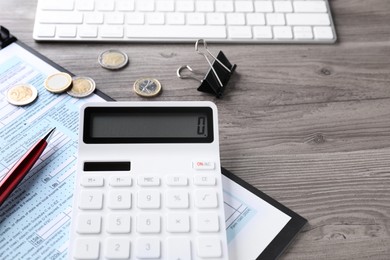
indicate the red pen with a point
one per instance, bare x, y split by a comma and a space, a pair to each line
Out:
22, 167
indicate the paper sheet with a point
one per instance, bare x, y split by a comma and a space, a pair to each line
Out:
35, 219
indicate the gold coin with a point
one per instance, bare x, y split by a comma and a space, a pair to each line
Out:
113, 59
82, 87
147, 87
22, 94
58, 82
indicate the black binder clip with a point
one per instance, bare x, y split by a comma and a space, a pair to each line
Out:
5, 37
218, 75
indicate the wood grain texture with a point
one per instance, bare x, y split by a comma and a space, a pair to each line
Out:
307, 124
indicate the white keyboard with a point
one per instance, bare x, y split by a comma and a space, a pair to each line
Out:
235, 21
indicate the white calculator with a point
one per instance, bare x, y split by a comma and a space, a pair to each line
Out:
148, 183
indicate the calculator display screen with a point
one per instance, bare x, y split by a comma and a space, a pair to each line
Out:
148, 125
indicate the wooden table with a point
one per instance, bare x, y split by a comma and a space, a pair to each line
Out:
307, 124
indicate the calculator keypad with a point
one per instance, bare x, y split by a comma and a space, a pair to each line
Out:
147, 217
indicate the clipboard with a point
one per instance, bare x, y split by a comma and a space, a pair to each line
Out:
272, 248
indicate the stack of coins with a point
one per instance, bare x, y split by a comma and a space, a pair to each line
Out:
76, 87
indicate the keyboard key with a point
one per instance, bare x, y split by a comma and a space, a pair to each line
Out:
275, 19
310, 6
119, 199
149, 199
207, 222
303, 32
165, 6
90, 199
89, 224
86, 248
178, 222
94, 18
64, 5
117, 248
196, 18
155, 18
262, 32
185, 6
105, 5
61, 17
111, 31
323, 32
240, 32
215, 19
282, 32
177, 199
148, 247
174, 31
179, 248
148, 223
175, 18
243, 6
145, 6
307, 19
66, 31
114, 18
224, 6
209, 247
125, 5
255, 19
264, 6
85, 5
135, 18
206, 198
88, 31
46, 31
235, 19
204, 6
283, 6
119, 223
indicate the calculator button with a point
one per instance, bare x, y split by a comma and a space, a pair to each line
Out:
119, 199
148, 248
148, 223
120, 181
90, 199
118, 223
206, 198
86, 248
92, 181
117, 248
178, 222
204, 180
89, 224
207, 222
177, 199
148, 181
209, 247
149, 199
179, 248
203, 165
173, 180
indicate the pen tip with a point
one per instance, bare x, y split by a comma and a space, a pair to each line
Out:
48, 135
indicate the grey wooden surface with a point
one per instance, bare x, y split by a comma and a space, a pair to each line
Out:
307, 124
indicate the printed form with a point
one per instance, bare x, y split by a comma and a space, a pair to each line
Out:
35, 219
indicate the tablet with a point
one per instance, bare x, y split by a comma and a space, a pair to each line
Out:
257, 226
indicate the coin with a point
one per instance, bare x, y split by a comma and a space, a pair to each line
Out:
58, 82
82, 87
113, 59
147, 87
22, 94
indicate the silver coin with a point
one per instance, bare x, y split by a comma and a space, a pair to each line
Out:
113, 59
22, 94
147, 87
82, 87
58, 82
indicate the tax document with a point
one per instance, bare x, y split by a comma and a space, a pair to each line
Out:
35, 219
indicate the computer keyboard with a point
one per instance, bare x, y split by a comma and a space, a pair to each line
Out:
227, 21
